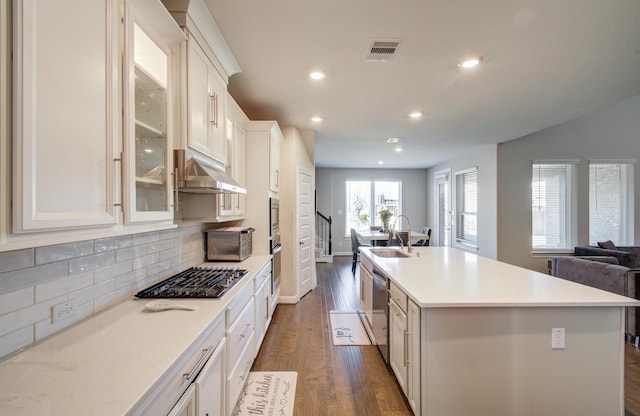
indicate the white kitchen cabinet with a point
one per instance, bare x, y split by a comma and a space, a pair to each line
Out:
152, 38
262, 304
231, 206
206, 92
398, 358
238, 169
260, 136
274, 162
404, 344
366, 292
186, 406
66, 117
210, 384
240, 334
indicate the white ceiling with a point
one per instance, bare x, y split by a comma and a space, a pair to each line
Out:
544, 62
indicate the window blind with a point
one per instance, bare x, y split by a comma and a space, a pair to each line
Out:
611, 203
467, 207
553, 206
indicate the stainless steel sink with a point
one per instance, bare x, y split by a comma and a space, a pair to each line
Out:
388, 252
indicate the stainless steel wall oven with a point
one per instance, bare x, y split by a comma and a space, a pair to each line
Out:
274, 243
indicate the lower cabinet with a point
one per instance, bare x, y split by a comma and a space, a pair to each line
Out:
404, 345
186, 406
210, 384
398, 359
262, 304
240, 343
366, 289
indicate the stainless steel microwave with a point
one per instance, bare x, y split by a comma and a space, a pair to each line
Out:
274, 217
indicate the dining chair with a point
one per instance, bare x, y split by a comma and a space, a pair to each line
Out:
355, 249
424, 241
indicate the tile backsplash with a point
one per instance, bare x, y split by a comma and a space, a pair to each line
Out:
94, 273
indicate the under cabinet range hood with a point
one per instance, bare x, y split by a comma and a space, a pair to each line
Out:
195, 177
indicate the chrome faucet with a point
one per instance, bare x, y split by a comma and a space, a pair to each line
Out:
393, 227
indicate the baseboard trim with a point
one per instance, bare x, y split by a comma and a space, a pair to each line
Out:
288, 300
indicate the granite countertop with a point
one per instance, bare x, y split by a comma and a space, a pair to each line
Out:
435, 277
105, 364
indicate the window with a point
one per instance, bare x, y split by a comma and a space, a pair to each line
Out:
611, 202
467, 207
553, 210
366, 198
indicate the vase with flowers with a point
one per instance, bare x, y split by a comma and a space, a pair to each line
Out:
385, 216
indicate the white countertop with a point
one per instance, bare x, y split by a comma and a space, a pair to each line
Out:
104, 364
437, 277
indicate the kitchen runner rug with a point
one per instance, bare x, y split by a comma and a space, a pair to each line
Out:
268, 393
347, 328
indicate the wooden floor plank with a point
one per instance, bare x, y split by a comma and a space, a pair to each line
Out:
352, 380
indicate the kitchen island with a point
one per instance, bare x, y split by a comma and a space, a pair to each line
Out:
124, 360
494, 339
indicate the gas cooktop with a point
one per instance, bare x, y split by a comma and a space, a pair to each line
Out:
196, 282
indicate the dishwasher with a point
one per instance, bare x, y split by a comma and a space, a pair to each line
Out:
380, 316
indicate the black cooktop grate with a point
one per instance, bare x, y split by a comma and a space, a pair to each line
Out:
196, 282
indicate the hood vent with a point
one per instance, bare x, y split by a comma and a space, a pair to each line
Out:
382, 50
195, 177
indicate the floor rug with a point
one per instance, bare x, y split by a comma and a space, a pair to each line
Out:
269, 393
347, 328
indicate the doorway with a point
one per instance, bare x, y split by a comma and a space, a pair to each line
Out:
303, 200
443, 208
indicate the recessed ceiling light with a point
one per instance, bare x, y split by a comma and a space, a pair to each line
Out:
416, 114
316, 119
394, 140
317, 75
470, 63
380, 162
398, 149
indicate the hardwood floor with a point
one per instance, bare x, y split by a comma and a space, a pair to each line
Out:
332, 380
353, 380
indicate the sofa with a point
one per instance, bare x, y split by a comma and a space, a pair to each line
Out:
606, 276
628, 256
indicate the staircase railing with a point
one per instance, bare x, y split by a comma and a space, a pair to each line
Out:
323, 233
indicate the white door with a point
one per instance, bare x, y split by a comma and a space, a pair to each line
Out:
443, 210
304, 201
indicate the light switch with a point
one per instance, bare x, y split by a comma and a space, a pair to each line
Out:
557, 338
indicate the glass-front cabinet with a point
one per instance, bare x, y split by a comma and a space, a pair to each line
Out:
148, 114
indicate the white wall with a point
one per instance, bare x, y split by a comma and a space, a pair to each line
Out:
613, 133
331, 197
296, 152
485, 158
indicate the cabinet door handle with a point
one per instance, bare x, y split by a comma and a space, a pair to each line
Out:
406, 348
196, 368
175, 191
245, 332
214, 109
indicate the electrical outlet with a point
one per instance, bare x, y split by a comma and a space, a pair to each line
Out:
557, 338
63, 310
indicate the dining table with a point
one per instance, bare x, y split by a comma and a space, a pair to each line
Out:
375, 236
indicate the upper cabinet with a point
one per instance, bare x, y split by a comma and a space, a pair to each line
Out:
66, 114
152, 40
275, 141
209, 64
205, 106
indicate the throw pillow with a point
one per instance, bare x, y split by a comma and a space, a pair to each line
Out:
607, 244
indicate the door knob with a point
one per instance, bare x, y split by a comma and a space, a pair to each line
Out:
301, 243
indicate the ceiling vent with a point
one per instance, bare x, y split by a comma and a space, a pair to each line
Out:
382, 50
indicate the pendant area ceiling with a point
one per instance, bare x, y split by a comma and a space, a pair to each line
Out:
543, 62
